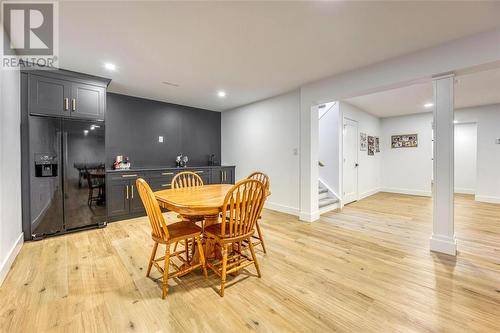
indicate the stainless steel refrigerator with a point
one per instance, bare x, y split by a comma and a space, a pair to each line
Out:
67, 175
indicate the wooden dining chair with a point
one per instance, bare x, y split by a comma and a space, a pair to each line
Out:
186, 179
161, 234
264, 179
242, 206
182, 180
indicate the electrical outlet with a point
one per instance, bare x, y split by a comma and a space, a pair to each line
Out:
160, 139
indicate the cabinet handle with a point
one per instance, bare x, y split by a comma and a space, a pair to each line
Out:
66, 104
167, 173
198, 172
127, 192
166, 185
73, 104
221, 176
125, 176
132, 190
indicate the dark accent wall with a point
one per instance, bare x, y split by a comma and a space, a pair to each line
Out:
133, 126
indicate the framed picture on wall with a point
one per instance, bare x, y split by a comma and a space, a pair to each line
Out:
371, 145
377, 144
362, 141
404, 141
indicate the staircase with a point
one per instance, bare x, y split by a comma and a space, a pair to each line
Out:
327, 201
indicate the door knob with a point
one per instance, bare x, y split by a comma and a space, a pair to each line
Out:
356, 165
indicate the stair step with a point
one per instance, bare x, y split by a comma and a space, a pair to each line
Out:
323, 195
322, 190
326, 202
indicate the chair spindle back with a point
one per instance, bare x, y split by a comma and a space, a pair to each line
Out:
186, 179
158, 225
242, 207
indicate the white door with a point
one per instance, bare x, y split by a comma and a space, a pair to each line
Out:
350, 167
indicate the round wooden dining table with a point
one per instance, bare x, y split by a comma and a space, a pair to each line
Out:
196, 201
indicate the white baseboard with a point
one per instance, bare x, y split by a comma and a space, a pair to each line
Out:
309, 217
465, 190
484, 198
7, 263
443, 244
329, 208
368, 193
406, 191
281, 208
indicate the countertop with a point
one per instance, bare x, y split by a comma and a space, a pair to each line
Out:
189, 167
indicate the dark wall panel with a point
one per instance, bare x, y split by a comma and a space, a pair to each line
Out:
133, 126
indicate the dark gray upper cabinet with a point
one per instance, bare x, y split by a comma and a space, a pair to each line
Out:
63, 93
49, 96
88, 101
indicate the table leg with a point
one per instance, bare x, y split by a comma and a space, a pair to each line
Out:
208, 245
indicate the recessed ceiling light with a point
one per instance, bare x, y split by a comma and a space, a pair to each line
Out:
455, 121
221, 94
428, 105
110, 67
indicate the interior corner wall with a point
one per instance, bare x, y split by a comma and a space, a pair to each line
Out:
487, 119
369, 180
11, 237
329, 148
407, 170
265, 136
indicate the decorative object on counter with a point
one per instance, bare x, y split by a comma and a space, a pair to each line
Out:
178, 160
181, 161
371, 145
404, 141
362, 141
121, 163
377, 144
211, 160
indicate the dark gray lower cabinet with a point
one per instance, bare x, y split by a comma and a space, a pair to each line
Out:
123, 200
116, 199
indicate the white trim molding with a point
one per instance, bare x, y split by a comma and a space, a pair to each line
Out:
9, 260
309, 217
281, 208
369, 193
465, 190
419, 193
484, 198
443, 244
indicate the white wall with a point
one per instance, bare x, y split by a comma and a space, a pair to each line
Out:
465, 158
264, 136
488, 151
11, 237
329, 148
369, 169
459, 54
407, 170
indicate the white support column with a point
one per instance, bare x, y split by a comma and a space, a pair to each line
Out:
443, 229
309, 129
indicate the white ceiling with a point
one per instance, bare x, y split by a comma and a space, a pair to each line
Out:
471, 89
253, 50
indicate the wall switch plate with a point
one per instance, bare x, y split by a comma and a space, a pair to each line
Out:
160, 139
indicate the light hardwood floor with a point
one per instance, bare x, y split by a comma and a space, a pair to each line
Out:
365, 269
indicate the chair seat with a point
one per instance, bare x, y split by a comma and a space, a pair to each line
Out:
215, 230
181, 230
